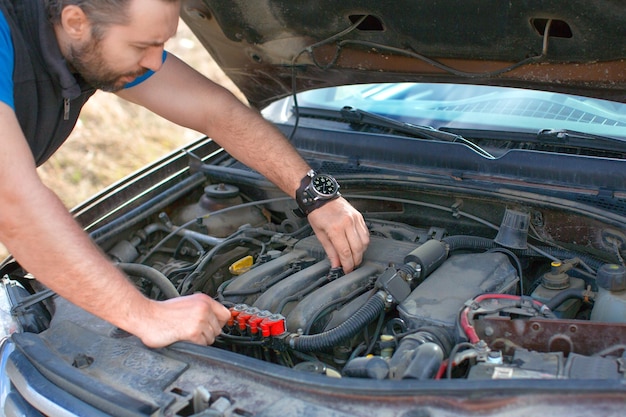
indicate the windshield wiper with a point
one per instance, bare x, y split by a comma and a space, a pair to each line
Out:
361, 117
579, 139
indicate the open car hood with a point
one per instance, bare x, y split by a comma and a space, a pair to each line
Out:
269, 47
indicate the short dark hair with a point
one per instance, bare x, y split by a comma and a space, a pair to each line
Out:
101, 13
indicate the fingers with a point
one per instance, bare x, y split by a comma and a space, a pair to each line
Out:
342, 232
329, 248
350, 246
217, 318
195, 318
214, 320
359, 238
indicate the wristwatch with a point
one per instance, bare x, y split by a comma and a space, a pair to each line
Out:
316, 190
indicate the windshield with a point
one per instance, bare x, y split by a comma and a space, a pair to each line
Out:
458, 106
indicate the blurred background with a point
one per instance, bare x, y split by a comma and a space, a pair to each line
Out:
114, 138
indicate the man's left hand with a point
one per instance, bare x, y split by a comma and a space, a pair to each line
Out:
342, 232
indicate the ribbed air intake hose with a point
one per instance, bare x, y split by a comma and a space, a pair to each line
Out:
330, 338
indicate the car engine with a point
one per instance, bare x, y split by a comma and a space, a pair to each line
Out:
442, 292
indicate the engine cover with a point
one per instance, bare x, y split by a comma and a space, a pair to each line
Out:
438, 300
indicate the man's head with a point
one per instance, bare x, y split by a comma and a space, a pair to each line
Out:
111, 42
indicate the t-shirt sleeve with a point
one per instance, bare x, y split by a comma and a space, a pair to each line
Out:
6, 63
147, 75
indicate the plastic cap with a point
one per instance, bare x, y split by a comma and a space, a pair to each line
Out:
612, 277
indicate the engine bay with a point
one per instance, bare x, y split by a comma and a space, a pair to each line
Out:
454, 285
442, 292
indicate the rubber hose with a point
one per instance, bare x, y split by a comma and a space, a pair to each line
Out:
156, 277
330, 338
554, 302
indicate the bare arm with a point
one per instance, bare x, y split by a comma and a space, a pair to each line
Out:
187, 98
45, 239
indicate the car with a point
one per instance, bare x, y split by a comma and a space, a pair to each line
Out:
485, 144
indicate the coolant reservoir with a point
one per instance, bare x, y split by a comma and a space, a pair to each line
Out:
610, 304
555, 281
217, 197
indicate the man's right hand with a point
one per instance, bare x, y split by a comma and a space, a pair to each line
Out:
47, 241
195, 318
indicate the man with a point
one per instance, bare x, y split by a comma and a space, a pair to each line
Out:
51, 60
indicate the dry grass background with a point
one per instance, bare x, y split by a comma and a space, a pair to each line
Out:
114, 138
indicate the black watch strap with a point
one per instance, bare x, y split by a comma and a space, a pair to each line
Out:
307, 201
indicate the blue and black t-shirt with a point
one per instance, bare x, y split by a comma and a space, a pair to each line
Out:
6, 63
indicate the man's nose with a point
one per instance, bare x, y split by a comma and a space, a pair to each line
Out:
153, 59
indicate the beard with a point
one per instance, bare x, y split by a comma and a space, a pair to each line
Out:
88, 61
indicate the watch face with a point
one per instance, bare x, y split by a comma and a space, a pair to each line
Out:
324, 185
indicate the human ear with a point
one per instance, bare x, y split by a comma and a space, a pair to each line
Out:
75, 23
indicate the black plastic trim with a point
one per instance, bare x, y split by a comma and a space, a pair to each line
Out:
64, 377
19, 363
459, 161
